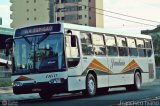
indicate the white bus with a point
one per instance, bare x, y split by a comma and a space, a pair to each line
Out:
60, 57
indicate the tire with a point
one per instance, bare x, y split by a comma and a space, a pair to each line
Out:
45, 95
91, 86
137, 83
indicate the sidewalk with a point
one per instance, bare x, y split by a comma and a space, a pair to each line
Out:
154, 83
5, 90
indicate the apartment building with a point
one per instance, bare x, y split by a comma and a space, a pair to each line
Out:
30, 12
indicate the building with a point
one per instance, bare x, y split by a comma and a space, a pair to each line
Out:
5, 33
29, 12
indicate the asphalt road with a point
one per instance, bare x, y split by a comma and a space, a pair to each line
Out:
147, 96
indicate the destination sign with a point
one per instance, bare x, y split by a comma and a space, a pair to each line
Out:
38, 29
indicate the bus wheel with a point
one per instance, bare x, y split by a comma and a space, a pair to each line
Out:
137, 83
45, 95
90, 86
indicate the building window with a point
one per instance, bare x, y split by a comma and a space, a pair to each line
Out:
27, 19
71, 17
85, 7
80, 17
62, 18
34, 1
27, 10
57, 1
70, 8
27, 1
63, 1
80, 8
90, 17
58, 18
85, 16
35, 18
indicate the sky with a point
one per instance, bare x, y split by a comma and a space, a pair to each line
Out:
147, 9
5, 12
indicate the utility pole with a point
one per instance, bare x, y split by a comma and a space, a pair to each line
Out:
55, 10
0, 21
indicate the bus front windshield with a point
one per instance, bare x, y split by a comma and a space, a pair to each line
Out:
39, 53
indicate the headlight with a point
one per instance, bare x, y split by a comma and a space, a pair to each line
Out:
56, 80
17, 83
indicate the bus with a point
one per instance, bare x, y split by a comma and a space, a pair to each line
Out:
59, 58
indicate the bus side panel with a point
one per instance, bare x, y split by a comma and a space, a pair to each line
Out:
117, 65
145, 77
116, 80
143, 64
129, 79
102, 81
76, 83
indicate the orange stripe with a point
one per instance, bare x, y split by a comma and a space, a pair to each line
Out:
97, 65
130, 66
23, 78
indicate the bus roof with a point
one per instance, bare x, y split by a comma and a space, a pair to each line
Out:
91, 29
103, 30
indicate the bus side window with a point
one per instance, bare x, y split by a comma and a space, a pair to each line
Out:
111, 45
72, 53
148, 46
86, 42
122, 46
132, 47
98, 44
141, 48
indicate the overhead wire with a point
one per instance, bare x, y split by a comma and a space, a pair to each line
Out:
114, 16
119, 14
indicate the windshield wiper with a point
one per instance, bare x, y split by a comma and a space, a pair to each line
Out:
26, 39
43, 38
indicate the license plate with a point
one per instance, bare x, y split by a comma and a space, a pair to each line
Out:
36, 90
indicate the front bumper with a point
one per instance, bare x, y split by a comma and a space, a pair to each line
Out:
41, 86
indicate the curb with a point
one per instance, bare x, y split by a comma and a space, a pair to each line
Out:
6, 90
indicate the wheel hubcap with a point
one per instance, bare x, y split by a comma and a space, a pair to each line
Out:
91, 86
138, 81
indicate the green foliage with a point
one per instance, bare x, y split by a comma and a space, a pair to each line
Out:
157, 60
5, 83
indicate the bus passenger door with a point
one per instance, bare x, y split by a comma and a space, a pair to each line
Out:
74, 70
